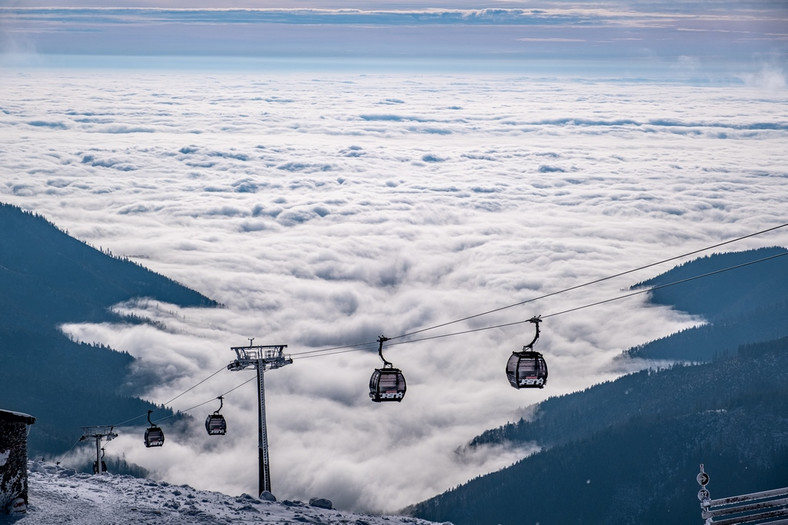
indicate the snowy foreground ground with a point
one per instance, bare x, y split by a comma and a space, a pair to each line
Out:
63, 496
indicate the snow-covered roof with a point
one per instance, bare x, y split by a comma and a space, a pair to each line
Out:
16, 417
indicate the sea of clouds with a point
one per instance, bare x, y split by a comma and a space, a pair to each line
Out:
325, 210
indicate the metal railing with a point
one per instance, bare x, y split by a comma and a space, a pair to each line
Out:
766, 507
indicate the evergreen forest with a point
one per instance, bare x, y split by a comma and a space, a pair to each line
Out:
48, 278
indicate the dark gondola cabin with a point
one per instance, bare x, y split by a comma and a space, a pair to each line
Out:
215, 423
387, 383
154, 436
527, 368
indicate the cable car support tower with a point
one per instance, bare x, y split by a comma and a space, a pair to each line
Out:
260, 358
98, 432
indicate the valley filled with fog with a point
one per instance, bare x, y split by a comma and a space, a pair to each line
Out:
324, 210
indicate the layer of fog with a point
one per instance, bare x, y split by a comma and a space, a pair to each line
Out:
326, 211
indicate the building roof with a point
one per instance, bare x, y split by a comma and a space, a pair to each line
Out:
7, 416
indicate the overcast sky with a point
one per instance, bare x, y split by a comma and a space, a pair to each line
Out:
332, 177
708, 40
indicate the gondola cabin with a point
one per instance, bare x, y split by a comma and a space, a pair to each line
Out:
387, 384
154, 436
527, 369
216, 425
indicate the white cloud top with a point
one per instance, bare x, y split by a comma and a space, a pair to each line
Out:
327, 209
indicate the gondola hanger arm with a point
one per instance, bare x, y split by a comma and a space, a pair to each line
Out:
535, 320
382, 339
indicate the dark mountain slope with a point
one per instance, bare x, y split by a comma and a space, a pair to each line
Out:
728, 294
664, 394
47, 275
742, 305
48, 278
642, 469
723, 336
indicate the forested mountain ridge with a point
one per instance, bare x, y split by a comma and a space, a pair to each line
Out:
48, 278
726, 294
640, 469
664, 394
48, 275
627, 451
743, 305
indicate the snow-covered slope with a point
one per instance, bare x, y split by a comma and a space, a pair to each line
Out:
63, 496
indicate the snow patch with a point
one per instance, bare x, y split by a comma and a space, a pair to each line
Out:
59, 495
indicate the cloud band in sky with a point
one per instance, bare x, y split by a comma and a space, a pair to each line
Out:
589, 37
